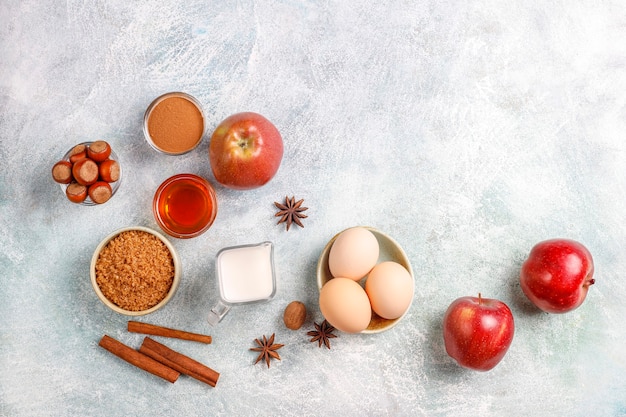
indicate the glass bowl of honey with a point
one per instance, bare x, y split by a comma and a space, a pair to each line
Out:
185, 206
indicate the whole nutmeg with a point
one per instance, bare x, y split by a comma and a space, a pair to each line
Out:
295, 315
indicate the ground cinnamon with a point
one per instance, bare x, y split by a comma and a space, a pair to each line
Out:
179, 362
147, 328
175, 124
138, 359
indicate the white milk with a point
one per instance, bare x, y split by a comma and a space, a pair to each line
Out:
245, 274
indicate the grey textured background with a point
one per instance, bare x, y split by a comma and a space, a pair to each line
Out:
468, 131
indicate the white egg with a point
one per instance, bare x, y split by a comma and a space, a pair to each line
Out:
389, 287
353, 253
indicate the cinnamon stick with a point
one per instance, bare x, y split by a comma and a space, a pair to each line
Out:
146, 328
181, 363
138, 359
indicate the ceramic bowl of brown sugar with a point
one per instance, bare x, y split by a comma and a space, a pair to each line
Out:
135, 271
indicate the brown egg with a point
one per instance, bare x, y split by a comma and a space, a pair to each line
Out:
345, 305
389, 287
353, 254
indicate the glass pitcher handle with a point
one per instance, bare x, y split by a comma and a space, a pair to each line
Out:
218, 312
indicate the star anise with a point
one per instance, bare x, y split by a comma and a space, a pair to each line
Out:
322, 334
267, 348
291, 211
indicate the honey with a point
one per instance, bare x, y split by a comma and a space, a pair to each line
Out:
185, 206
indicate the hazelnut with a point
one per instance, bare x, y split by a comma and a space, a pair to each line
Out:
295, 315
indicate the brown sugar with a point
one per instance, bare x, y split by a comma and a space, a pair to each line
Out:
135, 270
175, 125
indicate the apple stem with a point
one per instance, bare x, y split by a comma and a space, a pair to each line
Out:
243, 143
480, 299
590, 282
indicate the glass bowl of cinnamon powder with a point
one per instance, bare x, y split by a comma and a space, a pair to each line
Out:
174, 124
135, 271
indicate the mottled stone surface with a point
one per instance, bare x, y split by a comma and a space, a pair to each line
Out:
467, 131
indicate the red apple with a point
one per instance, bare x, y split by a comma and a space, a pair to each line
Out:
245, 151
557, 274
477, 332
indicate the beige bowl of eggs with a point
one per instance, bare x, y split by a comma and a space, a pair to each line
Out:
365, 280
